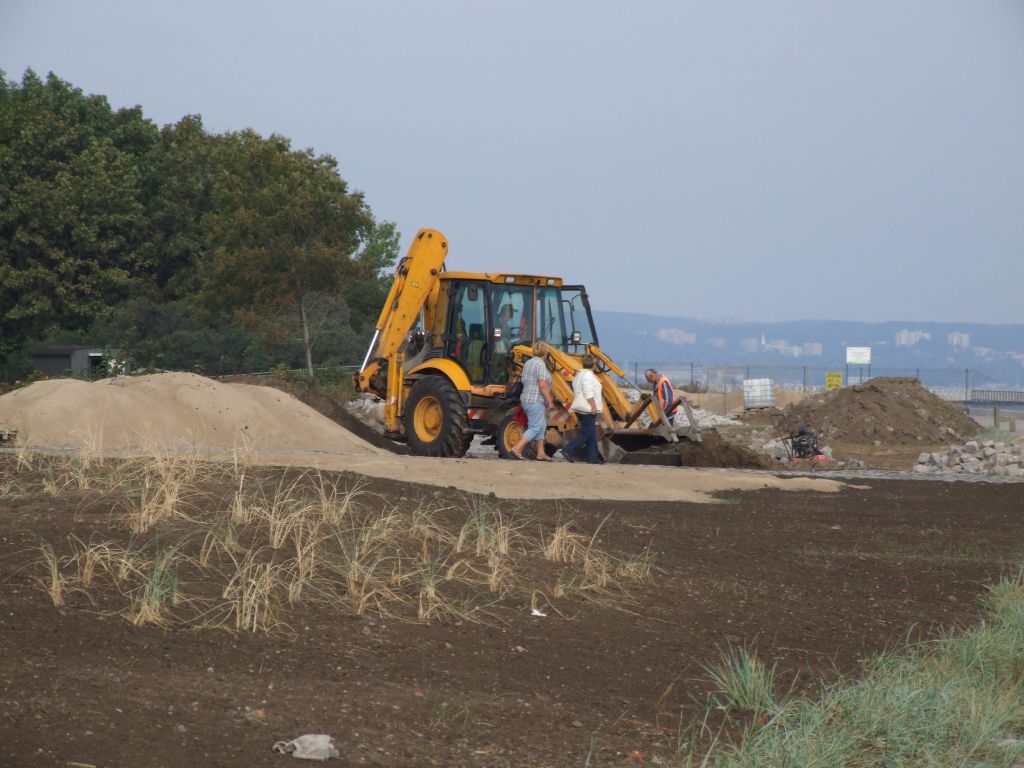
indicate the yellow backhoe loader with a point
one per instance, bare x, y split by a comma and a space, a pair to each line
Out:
449, 348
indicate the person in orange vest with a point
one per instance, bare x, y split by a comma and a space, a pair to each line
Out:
663, 392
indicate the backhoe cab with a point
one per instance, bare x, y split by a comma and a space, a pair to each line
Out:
449, 346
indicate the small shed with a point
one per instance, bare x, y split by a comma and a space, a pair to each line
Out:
82, 362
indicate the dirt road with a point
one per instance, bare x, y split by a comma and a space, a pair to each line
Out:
553, 480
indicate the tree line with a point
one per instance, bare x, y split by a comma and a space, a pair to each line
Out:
186, 249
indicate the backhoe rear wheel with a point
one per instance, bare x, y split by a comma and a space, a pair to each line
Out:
435, 419
507, 434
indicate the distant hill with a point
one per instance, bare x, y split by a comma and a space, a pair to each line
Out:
994, 352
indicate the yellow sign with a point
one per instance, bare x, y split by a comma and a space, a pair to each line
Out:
833, 379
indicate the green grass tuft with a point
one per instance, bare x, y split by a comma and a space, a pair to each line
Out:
744, 682
954, 701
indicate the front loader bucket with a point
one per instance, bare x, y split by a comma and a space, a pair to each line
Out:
617, 446
629, 440
650, 449
614, 446
611, 452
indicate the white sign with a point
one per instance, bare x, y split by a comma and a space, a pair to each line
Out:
858, 355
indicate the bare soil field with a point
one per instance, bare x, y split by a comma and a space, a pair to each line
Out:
251, 568
813, 581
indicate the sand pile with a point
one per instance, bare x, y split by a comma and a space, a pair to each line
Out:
895, 411
170, 410
347, 415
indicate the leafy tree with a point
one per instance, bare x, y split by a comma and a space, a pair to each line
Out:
179, 184
228, 252
365, 297
167, 335
70, 215
285, 226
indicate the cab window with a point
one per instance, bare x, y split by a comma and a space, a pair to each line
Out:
511, 305
550, 322
576, 310
467, 337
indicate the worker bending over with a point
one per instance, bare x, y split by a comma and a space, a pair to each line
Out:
664, 393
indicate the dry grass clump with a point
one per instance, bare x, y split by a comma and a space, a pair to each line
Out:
54, 581
252, 592
25, 456
228, 546
156, 488
159, 591
565, 545
97, 558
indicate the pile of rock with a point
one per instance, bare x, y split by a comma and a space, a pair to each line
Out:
976, 457
774, 447
707, 419
369, 409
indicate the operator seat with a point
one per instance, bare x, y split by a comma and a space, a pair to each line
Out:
474, 357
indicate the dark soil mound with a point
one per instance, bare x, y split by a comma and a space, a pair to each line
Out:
894, 410
325, 405
712, 451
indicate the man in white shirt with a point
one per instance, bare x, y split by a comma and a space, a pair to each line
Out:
587, 403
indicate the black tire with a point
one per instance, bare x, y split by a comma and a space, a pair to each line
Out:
435, 419
507, 434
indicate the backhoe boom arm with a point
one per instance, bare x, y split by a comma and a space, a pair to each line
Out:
415, 278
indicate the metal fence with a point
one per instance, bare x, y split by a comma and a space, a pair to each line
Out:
319, 370
956, 384
948, 383
1001, 397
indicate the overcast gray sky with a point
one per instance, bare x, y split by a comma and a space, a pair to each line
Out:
859, 160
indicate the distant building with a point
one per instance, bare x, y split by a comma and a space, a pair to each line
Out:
80, 362
716, 343
910, 338
676, 336
812, 348
959, 340
750, 345
782, 346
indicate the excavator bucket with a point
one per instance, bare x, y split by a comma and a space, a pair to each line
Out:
618, 445
629, 440
611, 452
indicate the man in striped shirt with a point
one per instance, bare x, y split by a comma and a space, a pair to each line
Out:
536, 394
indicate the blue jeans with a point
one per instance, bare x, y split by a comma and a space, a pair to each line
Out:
536, 415
586, 437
